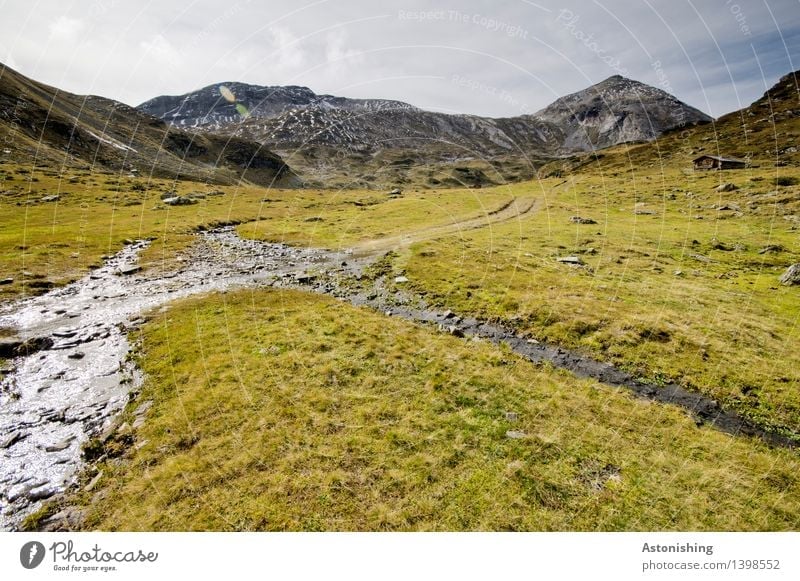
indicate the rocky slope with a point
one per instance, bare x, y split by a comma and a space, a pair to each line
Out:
614, 111
44, 125
617, 110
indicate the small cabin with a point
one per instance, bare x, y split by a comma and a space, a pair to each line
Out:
717, 162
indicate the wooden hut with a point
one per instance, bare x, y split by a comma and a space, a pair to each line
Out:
717, 162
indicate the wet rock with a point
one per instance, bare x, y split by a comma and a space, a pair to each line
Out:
791, 276
33, 345
9, 346
41, 493
12, 439
129, 269
60, 446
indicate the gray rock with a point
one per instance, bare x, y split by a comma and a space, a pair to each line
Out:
400, 279
179, 201
128, 269
12, 439
792, 275
579, 220
396, 192
53, 198
60, 446
727, 187
455, 331
515, 435
570, 260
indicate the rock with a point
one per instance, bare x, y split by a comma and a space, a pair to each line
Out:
41, 493
60, 446
396, 192
727, 187
169, 195
33, 345
718, 245
570, 260
12, 439
448, 314
143, 408
700, 258
579, 220
792, 275
6, 280
642, 212
179, 201
128, 269
53, 198
304, 278
9, 347
455, 331
89, 487
512, 416
515, 435
400, 279
77, 355
68, 519
772, 249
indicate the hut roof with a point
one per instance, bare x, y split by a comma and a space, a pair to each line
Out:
719, 158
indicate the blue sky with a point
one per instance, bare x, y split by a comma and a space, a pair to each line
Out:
466, 56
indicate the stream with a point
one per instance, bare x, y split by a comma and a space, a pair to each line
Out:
75, 376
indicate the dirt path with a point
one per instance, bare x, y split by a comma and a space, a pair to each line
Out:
515, 208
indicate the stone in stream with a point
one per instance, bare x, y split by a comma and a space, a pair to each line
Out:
12, 439
9, 346
128, 269
60, 446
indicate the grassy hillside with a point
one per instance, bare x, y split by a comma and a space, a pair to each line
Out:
41, 126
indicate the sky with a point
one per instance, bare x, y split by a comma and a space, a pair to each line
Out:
493, 58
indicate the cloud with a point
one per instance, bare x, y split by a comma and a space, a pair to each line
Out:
66, 29
519, 52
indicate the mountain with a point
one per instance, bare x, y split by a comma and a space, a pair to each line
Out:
617, 110
45, 125
614, 111
765, 133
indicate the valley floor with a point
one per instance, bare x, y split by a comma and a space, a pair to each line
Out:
280, 410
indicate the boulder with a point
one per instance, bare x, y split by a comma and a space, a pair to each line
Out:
727, 187
179, 201
792, 275
580, 220
570, 260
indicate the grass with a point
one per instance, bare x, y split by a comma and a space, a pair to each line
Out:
680, 281
43, 244
289, 411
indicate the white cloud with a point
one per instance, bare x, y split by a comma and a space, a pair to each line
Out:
66, 29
